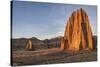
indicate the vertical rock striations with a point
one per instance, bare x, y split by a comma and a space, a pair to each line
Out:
29, 45
78, 33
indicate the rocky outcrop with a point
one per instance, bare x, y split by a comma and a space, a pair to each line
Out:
78, 33
29, 45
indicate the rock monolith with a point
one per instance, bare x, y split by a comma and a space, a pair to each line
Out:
29, 45
78, 33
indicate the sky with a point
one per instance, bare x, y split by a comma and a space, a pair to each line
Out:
46, 20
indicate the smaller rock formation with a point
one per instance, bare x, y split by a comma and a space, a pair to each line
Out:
29, 45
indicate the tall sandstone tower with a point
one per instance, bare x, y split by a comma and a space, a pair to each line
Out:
78, 33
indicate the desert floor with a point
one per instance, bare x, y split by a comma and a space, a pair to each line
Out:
51, 56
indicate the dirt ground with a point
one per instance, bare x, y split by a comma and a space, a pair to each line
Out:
51, 56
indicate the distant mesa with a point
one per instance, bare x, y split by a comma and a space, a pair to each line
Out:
34, 38
78, 33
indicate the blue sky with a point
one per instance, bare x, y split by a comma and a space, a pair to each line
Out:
46, 20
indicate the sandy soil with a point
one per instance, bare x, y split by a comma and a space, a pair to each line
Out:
51, 56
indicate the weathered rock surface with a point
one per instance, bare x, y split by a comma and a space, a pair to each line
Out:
29, 45
78, 33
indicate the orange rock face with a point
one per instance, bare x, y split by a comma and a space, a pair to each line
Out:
78, 33
29, 45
